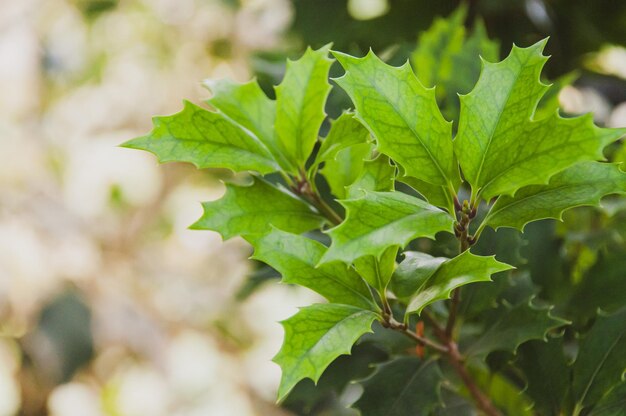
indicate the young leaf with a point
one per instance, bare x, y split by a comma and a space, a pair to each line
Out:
250, 210
546, 372
248, 106
511, 326
500, 148
344, 132
413, 271
464, 269
601, 360
406, 386
206, 139
314, 337
346, 167
300, 100
380, 220
402, 115
377, 175
434, 194
377, 272
295, 257
583, 184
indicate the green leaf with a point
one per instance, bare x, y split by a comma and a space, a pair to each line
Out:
613, 404
247, 105
377, 175
464, 269
295, 257
250, 210
406, 386
403, 117
206, 139
300, 100
344, 132
434, 194
546, 372
377, 272
314, 337
550, 103
412, 272
436, 48
504, 394
501, 148
380, 220
508, 327
601, 360
583, 184
346, 167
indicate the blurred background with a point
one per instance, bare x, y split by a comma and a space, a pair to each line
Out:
109, 305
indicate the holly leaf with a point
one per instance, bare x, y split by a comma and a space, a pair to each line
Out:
254, 209
295, 257
434, 194
346, 167
406, 386
507, 327
412, 272
379, 220
377, 272
583, 184
501, 148
613, 404
344, 132
314, 337
403, 117
205, 139
547, 375
300, 100
601, 360
464, 269
376, 175
247, 105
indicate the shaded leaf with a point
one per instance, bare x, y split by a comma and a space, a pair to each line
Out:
250, 210
206, 139
436, 195
601, 360
508, 327
346, 167
377, 175
314, 337
344, 132
413, 271
377, 272
406, 386
379, 220
295, 257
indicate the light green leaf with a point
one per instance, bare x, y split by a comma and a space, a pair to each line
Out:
508, 327
601, 360
206, 139
344, 132
346, 167
314, 337
406, 386
436, 48
380, 220
550, 103
250, 210
377, 175
248, 106
377, 272
504, 394
413, 271
583, 184
295, 257
403, 117
300, 100
434, 194
501, 148
613, 404
464, 269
